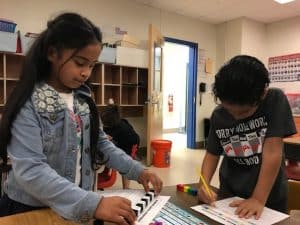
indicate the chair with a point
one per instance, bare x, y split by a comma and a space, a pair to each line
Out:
292, 169
107, 178
293, 195
133, 151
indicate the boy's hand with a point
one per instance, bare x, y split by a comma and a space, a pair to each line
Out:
148, 176
205, 197
115, 209
247, 208
109, 137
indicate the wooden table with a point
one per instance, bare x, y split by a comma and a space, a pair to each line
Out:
36, 217
292, 140
292, 148
185, 201
48, 217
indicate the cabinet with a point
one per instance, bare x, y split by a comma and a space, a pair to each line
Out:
125, 85
10, 68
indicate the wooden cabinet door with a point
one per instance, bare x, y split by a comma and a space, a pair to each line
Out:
154, 106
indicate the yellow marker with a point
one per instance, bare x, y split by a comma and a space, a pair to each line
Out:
204, 183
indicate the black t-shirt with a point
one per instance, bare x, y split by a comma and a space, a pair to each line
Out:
124, 136
241, 143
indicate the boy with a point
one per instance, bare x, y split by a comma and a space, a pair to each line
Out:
247, 128
120, 132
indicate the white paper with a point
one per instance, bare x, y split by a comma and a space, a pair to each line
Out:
224, 214
135, 195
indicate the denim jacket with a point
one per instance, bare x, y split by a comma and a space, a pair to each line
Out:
43, 155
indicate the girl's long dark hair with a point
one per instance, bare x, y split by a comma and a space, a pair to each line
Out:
66, 31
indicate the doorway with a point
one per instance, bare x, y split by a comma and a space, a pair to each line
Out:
179, 91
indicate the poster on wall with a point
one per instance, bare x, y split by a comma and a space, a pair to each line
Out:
285, 74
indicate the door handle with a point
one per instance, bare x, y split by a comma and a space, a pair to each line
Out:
153, 101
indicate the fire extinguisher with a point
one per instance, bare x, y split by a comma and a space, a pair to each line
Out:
170, 102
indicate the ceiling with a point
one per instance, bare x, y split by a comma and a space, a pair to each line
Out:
218, 11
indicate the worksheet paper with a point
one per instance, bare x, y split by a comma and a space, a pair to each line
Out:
224, 214
135, 196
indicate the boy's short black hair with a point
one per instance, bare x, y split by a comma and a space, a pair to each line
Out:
242, 81
110, 116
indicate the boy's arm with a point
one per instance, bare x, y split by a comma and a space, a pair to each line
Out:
209, 165
271, 162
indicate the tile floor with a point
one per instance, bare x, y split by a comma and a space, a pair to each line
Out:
182, 167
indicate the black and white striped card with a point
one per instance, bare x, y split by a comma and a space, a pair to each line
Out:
145, 205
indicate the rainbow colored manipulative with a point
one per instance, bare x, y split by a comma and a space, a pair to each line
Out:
187, 189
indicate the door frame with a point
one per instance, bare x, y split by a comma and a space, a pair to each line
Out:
154, 105
191, 89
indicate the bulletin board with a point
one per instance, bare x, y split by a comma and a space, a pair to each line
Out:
285, 74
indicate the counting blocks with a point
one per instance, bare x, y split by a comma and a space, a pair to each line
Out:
187, 189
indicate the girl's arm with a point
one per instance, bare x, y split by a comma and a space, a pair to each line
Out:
37, 179
118, 159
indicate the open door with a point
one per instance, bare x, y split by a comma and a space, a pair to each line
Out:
154, 106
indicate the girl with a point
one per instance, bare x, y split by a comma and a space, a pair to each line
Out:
50, 130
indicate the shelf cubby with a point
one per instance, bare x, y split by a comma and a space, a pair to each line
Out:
1, 66
129, 76
129, 95
13, 66
111, 74
111, 92
97, 94
142, 86
1, 92
96, 76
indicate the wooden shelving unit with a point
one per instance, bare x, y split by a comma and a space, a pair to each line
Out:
125, 85
10, 68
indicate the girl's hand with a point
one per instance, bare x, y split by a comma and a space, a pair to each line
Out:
247, 208
148, 176
115, 209
206, 197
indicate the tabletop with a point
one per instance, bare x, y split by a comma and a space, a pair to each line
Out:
185, 201
181, 199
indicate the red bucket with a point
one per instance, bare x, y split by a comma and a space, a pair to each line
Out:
161, 153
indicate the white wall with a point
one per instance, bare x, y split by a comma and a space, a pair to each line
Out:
254, 39
240, 36
245, 36
229, 40
32, 15
283, 37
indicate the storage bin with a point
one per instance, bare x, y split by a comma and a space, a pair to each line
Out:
7, 26
161, 153
132, 57
108, 55
26, 43
8, 41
